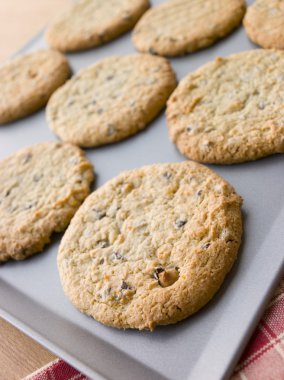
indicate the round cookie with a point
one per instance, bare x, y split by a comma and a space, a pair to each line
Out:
264, 23
111, 100
152, 246
230, 110
41, 187
28, 81
91, 23
183, 26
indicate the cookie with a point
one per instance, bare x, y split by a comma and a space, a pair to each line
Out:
230, 110
90, 23
151, 246
41, 187
264, 23
183, 26
111, 100
28, 81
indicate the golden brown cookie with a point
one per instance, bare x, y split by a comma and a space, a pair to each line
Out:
91, 23
111, 100
178, 27
41, 187
230, 110
151, 246
264, 23
28, 81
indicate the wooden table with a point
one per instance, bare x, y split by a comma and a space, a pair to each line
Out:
22, 19
19, 354
19, 21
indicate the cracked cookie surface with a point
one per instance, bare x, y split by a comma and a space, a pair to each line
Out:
230, 110
90, 23
264, 23
28, 81
151, 246
182, 26
111, 100
41, 187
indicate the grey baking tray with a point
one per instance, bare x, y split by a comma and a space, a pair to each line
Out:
205, 346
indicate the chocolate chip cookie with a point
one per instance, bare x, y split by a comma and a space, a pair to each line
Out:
41, 187
111, 100
151, 246
264, 23
90, 23
28, 81
230, 110
178, 27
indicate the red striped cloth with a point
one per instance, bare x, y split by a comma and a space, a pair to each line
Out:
57, 370
263, 358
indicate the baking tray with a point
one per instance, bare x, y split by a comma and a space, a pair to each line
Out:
204, 346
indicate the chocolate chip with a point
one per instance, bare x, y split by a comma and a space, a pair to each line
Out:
167, 277
94, 102
124, 285
32, 74
261, 105
99, 213
157, 272
101, 261
70, 103
199, 193
74, 160
30, 205
132, 103
37, 177
100, 111
152, 51
206, 245
103, 243
180, 223
27, 158
116, 256
126, 18
188, 129
167, 175
8, 192
110, 130
110, 77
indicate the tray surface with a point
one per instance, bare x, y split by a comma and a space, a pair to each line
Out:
206, 345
